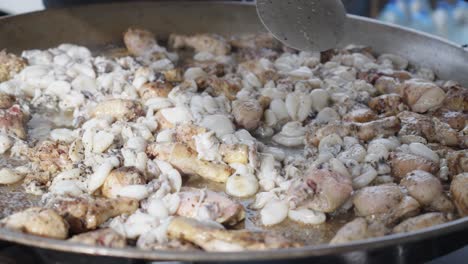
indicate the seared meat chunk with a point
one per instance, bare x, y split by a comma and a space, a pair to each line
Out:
86, 213
459, 190
214, 238
10, 64
139, 42
420, 222
103, 237
404, 163
119, 109
37, 221
358, 229
211, 43
13, 121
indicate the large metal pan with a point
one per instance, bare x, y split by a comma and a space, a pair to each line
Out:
96, 26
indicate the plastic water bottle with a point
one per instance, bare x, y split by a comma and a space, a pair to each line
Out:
444, 22
392, 14
460, 14
421, 18
420, 6
404, 8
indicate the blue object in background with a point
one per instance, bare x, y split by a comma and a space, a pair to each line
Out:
392, 13
443, 20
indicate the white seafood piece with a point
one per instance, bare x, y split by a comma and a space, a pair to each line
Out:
350, 142
165, 135
242, 185
251, 80
320, 99
279, 108
338, 166
292, 135
301, 72
138, 144
5, 143
277, 153
194, 73
136, 191
298, 106
270, 118
390, 143
162, 65
8, 176
207, 146
59, 88
172, 174
63, 134
157, 208
307, 216
37, 56
423, 151
177, 115
262, 198
96, 179
331, 144
68, 183
102, 140
377, 152
398, 62
274, 212
268, 172
220, 124
157, 103
139, 223
327, 115
76, 151
356, 152
364, 179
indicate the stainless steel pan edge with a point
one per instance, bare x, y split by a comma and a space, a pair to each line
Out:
101, 24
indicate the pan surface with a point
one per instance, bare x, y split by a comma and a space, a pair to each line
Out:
99, 25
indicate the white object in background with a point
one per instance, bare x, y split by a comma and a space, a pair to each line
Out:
20, 6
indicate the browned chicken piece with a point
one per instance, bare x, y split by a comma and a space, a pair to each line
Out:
139, 42
103, 237
174, 75
213, 238
321, 190
218, 86
387, 85
13, 122
119, 109
358, 229
50, 156
255, 41
37, 221
155, 89
422, 96
185, 159
184, 133
384, 202
384, 127
456, 98
10, 64
457, 162
459, 191
455, 119
213, 67
428, 190
163, 123
6, 101
86, 213
404, 163
208, 205
420, 222
211, 43
387, 104
247, 113
119, 178
361, 115
254, 66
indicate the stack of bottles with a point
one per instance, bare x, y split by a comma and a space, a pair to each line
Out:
449, 19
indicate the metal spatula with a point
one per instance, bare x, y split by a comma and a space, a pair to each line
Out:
310, 25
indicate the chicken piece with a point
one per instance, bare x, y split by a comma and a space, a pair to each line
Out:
361, 115
255, 41
387, 85
456, 98
427, 190
6, 101
204, 204
13, 122
119, 109
384, 127
51, 156
403, 163
184, 133
186, 161
211, 43
174, 75
217, 86
457, 162
213, 238
103, 237
247, 113
155, 89
37, 221
384, 202
255, 67
459, 191
86, 213
422, 96
387, 104
455, 119
420, 222
10, 64
321, 190
119, 178
139, 42
358, 229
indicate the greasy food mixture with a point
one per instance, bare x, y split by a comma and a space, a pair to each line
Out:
205, 142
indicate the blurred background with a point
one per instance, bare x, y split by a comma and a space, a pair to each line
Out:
445, 18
